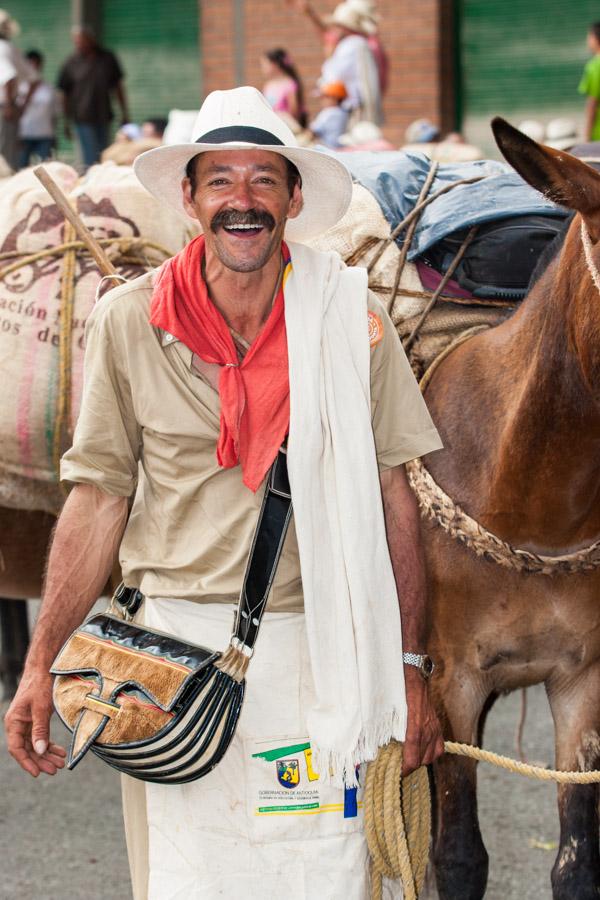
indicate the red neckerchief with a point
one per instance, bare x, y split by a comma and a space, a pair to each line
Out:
254, 392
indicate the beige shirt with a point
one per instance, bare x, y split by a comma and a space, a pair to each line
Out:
149, 425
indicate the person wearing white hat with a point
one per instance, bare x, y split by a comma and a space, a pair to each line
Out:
14, 70
354, 54
194, 376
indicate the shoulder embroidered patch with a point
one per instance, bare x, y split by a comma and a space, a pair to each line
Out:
375, 329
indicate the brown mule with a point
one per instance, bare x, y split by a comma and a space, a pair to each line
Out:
24, 538
518, 408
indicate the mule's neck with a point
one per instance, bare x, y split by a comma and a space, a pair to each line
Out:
546, 476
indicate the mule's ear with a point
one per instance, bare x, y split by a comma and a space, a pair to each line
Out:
562, 178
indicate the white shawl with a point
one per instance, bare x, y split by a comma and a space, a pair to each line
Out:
351, 604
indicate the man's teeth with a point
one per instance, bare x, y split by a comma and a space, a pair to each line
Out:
242, 227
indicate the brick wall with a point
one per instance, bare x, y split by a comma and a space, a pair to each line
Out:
417, 35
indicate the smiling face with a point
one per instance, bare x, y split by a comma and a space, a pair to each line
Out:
242, 200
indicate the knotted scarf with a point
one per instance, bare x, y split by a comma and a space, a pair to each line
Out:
254, 392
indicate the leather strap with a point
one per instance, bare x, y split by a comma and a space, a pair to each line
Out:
269, 537
265, 552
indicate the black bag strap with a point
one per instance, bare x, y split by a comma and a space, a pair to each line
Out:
265, 552
267, 544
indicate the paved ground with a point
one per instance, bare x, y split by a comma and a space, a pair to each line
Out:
62, 839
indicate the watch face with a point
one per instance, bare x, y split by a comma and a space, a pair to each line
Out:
428, 666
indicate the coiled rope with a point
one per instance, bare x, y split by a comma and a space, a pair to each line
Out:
398, 811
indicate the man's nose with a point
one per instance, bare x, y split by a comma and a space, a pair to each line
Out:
243, 197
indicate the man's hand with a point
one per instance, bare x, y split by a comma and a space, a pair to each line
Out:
424, 742
28, 726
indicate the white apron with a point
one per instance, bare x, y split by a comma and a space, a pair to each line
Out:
260, 825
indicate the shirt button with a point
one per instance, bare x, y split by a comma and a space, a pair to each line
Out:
169, 337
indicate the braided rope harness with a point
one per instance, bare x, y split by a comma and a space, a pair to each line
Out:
435, 504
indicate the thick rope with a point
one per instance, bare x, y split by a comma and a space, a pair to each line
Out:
123, 245
436, 505
520, 768
397, 822
398, 811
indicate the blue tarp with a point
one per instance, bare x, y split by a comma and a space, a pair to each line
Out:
395, 179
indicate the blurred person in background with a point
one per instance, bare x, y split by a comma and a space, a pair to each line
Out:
330, 124
14, 69
353, 63
37, 125
370, 24
283, 85
154, 128
561, 134
423, 136
590, 85
88, 79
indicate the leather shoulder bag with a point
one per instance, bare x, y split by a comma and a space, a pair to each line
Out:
151, 705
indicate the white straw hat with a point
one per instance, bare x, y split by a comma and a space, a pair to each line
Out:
241, 119
353, 16
9, 27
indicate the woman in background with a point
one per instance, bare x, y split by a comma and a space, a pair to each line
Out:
283, 86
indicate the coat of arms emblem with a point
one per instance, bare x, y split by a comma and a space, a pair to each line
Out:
288, 772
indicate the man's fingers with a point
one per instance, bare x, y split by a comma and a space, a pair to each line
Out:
22, 756
57, 749
56, 760
46, 766
40, 727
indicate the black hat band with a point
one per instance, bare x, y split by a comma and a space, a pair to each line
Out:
245, 133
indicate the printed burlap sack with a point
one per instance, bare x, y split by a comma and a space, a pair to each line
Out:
137, 232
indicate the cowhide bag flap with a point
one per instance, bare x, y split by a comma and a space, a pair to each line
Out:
151, 705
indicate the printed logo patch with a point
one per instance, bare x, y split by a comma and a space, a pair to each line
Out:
375, 329
288, 772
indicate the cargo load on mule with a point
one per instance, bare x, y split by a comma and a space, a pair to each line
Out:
449, 248
48, 285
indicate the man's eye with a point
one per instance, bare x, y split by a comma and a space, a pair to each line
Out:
217, 182
265, 180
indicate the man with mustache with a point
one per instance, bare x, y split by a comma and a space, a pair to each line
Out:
196, 375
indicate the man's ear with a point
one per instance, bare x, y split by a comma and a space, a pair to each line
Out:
296, 202
186, 188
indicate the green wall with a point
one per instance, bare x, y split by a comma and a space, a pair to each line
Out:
45, 26
157, 43
522, 54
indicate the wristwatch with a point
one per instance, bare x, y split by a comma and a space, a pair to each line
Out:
423, 663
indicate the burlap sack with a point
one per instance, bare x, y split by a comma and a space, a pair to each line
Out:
114, 207
356, 238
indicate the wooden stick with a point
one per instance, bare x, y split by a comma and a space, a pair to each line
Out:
101, 259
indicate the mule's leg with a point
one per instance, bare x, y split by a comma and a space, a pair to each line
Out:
14, 629
575, 708
459, 855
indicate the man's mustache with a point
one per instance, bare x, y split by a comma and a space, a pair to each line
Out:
232, 217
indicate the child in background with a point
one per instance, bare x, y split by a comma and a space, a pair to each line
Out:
590, 85
37, 124
331, 122
283, 86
